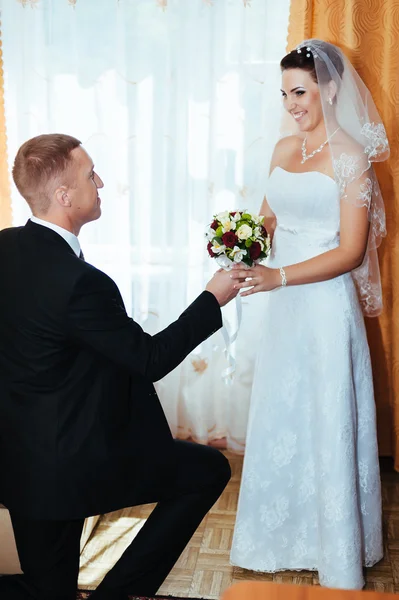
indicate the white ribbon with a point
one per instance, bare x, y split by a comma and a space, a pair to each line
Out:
224, 262
227, 374
229, 340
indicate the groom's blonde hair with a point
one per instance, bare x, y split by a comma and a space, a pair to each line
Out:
41, 165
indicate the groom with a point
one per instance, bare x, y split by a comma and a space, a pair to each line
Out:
82, 431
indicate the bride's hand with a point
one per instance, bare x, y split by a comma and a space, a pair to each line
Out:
259, 279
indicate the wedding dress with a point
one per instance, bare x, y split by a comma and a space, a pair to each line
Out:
310, 495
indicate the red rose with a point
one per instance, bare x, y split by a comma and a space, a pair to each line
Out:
229, 239
255, 250
214, 225
263, 231
233, 213
210, 251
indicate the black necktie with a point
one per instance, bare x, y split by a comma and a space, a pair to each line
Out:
81, 255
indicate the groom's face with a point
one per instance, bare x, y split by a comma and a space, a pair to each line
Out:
84, 197
301, 97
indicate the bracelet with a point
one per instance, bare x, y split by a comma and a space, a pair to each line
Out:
283, 277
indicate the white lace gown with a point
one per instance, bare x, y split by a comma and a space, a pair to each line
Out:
310, 495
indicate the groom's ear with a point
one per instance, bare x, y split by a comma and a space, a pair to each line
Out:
61, 196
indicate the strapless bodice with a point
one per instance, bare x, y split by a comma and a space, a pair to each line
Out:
307, 209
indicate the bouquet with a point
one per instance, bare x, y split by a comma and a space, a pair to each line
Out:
235, 237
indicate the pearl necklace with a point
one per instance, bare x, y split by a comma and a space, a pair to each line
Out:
305, 156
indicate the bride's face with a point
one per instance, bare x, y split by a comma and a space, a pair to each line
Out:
301, 98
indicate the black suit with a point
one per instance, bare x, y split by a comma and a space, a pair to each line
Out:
77, 402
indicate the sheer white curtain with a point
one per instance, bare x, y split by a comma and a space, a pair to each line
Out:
175, 101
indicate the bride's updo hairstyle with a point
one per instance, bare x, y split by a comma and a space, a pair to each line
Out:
302, 58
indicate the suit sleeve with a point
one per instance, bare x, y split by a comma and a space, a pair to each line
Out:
97, 318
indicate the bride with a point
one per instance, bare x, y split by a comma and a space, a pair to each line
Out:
310, 495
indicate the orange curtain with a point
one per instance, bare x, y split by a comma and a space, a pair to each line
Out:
368, 33
5, 196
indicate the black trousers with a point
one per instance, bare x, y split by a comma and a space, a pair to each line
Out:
49, 550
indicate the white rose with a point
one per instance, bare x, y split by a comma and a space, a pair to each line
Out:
244, 232
222, 216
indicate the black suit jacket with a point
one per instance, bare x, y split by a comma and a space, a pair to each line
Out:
82, 431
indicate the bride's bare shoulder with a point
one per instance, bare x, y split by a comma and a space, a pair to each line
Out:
287, 142
286, 146
345, 146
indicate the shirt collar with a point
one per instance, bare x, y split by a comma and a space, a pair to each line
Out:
69, 237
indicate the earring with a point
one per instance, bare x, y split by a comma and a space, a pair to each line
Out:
330, 101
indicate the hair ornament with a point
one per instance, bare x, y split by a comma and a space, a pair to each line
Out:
308, 50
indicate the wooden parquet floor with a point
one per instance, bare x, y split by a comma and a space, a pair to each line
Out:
203, 569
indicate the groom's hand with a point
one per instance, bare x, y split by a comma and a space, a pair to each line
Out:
222, 287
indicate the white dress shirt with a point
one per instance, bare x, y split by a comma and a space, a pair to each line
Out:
69, 237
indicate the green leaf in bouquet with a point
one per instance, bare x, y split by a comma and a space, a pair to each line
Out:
219, 231
248, 243
247, 261
246, 217
218, 240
